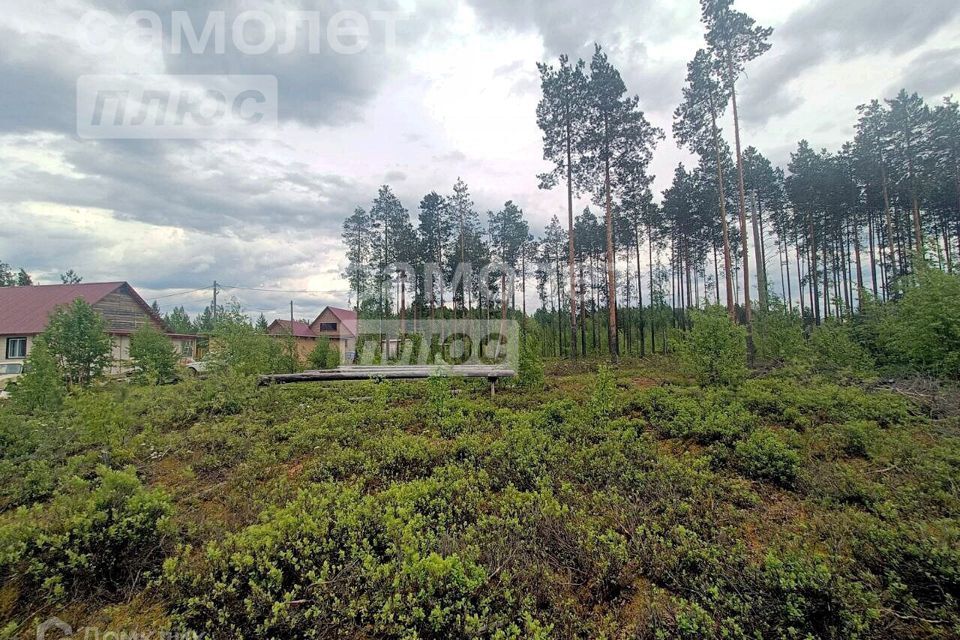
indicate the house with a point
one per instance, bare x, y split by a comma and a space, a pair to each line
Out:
305, 339
339, 326
25, 311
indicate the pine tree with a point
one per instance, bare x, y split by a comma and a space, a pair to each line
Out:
434, 232
561, 116
618, 148
734, 39
357, 236
695, 126
178, 321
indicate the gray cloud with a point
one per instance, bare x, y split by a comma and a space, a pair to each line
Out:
826, 30
206, 188
325, 88
932, 73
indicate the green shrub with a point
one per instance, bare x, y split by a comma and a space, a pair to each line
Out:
153, 355
530, 374
603, 399
76, 335
705, 417
778, 336
837, 355
237, 346
323, 356
99, 536
714, 351
923, 330
365, 565
41, 387
857, 437
763, 455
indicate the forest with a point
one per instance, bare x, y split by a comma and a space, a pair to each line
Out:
827, 237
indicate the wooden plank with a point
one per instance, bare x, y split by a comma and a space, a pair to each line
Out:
389, 373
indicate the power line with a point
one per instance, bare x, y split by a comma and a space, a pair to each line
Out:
301, 291
182, 293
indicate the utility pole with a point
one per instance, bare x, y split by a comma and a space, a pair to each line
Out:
215, 286
293, 343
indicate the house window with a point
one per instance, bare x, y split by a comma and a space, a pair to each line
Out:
16, 347
328, 326
186, 348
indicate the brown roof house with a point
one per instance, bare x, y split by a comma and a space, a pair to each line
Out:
25, 311
337, 325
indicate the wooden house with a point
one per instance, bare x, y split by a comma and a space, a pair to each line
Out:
25, 311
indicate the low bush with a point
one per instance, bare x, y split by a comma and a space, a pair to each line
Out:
41, 387
838, 356
922, 333
362, 565
713, 416
324, 356
778, 336
153, 356
763, 455
100, 536
714, 351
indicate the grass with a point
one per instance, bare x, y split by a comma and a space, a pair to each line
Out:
615, 504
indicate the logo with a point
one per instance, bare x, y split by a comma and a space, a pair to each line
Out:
196, 107
66, 630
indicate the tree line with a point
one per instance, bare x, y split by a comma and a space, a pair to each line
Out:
819, 237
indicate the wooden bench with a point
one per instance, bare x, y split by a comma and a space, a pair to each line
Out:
399, 372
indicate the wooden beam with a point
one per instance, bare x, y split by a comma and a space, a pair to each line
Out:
389, 373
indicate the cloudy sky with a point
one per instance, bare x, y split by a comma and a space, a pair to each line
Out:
452, 95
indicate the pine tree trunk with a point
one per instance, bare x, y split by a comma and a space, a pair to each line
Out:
859, 266
653, 344
571, 257
758, 254
636, 235
728, 273
611, 274
887, 214
745, 241
716, 272
873, 261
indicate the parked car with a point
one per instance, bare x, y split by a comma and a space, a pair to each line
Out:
197, 367
9, 373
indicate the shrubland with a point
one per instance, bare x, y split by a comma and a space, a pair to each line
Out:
673, 497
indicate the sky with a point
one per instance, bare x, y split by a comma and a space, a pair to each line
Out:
443, 89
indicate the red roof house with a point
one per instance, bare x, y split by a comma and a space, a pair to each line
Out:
25, 311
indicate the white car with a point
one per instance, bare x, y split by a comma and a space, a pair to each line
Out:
9, 372
197, 367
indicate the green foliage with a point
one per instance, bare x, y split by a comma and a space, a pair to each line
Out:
778, 336
715, 350
709, 417
99, 535
765, 456
603, 399
237, 346
323, 357
41, 387
609, 506
76, 336
837, 355
364, 563
530, 374
153, 355
923, 330
439, 398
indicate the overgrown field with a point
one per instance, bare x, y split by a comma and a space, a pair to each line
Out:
611, 504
